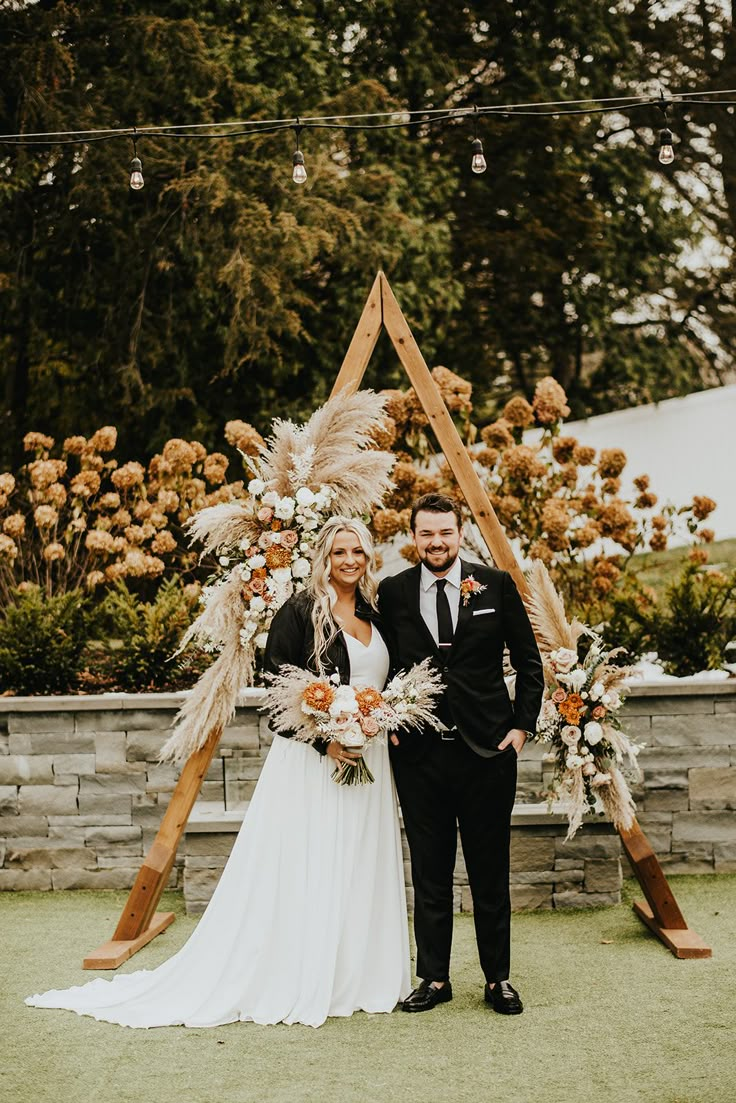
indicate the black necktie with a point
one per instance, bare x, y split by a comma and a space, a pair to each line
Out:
444, 617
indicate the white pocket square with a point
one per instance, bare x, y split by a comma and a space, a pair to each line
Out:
481, 612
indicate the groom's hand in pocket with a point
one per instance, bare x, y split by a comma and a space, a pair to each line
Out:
516, 738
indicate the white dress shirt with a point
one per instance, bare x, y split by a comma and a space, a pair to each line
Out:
428, 596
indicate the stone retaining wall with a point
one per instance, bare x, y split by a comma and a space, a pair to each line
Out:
81, 796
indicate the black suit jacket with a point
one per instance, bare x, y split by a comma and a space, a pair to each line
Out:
476, 694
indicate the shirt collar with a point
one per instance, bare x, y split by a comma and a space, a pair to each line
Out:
453, 576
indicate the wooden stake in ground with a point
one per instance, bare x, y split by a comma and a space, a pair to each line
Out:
140, 922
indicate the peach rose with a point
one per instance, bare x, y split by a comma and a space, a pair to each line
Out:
369, 726
559, 696
289, 538
265, 514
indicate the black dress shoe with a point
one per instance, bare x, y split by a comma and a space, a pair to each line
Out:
504, 998
426, 996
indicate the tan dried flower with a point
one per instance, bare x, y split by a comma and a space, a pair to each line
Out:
158, 519
518, 412
703, 506
114, 572
105, 439
94, 579
658, 541
53, 552
616, 520
610, 486
386, 523
641, 482
550, 402
129, 475
410, 553
167, 501
200, 451
646, 500
56, 495
159, 468
706, 535
180, 455
584, 455
586, 535
100, 542
563, 449
611, 462
404, 476
498, 434
142, 509
37, 442
140, 565
555, 523
14, 525
569, 474
163, 543
540, 550
7, 483
74, 445
659, 522
456, 392
8, 548
134, 534
215, 467
45, 472
507, 508
244, 437
522, 463
111, 500
85, 484
698, 556
92, 461
120, 518
487, 457
45, 516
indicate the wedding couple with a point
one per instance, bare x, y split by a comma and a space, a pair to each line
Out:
309, 917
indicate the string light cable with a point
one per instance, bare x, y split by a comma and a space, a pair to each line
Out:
382, 120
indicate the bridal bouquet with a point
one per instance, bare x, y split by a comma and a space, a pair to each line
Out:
312, 708
579, 716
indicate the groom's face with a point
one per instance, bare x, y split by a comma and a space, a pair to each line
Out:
437, 538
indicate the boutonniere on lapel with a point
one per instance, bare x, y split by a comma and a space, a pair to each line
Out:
469, 587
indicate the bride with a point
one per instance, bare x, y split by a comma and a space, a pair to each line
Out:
309, 917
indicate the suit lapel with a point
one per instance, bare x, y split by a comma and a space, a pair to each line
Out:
414, 581
465, 611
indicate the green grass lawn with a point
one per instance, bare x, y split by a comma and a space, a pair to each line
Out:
611, 1016
658, 569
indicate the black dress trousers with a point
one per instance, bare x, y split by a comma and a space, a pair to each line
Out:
451, 785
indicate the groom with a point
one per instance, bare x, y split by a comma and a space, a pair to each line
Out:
461, 615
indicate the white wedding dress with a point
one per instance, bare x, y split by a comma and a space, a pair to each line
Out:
309, 917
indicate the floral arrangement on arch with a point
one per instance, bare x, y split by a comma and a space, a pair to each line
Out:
310, 708
579, 717
264, 543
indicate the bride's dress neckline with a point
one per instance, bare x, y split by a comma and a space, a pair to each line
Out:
355, 639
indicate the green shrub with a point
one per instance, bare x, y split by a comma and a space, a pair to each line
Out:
42, 641
689, 628
139, 639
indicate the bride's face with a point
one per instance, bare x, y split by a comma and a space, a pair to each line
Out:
348, 561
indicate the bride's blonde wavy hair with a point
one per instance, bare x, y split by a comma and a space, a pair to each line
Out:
320, 588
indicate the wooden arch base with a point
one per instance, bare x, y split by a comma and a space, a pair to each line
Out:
140, 922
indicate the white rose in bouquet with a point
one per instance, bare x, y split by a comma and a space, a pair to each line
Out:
344, 702
304, 496
256, 487
593, 732
564, 659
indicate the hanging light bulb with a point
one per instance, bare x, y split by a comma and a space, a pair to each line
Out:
666, 152
478, 164
299, 174
136, 174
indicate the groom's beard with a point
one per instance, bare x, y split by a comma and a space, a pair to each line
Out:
437, 565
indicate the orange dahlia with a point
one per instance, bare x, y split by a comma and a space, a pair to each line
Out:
319, 696
368, 699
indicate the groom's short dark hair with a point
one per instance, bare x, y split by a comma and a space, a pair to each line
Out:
435, 503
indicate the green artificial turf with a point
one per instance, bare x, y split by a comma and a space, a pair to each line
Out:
611, 1016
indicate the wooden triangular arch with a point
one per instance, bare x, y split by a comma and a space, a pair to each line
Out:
140, 922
